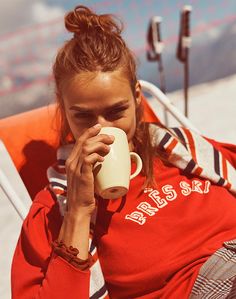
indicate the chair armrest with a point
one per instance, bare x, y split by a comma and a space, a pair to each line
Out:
12, 184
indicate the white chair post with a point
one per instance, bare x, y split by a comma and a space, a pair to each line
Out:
12, 196
12, 184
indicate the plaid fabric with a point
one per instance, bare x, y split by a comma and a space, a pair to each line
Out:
232, 293
217, 277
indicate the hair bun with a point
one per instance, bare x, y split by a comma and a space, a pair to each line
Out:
82, 20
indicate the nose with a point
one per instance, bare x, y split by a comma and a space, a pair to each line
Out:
103, 121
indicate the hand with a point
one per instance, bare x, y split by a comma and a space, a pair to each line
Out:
89, 149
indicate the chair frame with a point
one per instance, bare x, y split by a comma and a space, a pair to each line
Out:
8, 188
166, 103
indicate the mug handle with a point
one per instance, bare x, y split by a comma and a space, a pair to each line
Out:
139, 164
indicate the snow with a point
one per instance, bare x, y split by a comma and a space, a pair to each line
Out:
212, 108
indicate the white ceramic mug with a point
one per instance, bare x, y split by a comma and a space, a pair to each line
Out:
113, 175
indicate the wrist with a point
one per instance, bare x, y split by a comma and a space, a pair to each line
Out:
75, 231
76, 219
81, 212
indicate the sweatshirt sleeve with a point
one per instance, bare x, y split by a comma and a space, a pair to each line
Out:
37, 272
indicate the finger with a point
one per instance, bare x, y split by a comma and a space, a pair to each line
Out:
105, 138
91, 132
89, 162
98, 147
87, 155
89, 145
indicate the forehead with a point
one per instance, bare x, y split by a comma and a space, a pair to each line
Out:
97, 89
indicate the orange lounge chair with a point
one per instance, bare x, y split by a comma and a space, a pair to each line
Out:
31, 138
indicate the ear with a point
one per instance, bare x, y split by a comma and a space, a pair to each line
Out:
138, 93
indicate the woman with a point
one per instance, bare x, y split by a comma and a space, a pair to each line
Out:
166, 237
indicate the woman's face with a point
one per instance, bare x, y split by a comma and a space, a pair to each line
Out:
105, 98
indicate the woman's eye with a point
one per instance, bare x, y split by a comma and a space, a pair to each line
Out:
117, 113
83, 115
109, 115
84, 118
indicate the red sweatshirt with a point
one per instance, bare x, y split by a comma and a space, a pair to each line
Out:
150, 245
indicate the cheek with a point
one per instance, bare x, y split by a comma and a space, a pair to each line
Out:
73, 127
130, 125
77, 129
132, 129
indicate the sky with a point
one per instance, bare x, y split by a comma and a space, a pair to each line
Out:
31, 31
136, 14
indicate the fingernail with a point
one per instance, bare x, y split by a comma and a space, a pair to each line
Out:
97, 126
112, 137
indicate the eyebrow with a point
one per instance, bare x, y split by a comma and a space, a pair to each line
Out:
114, 106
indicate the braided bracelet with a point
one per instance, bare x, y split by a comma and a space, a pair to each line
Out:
70, 255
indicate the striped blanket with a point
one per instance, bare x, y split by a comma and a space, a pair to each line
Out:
185, 149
